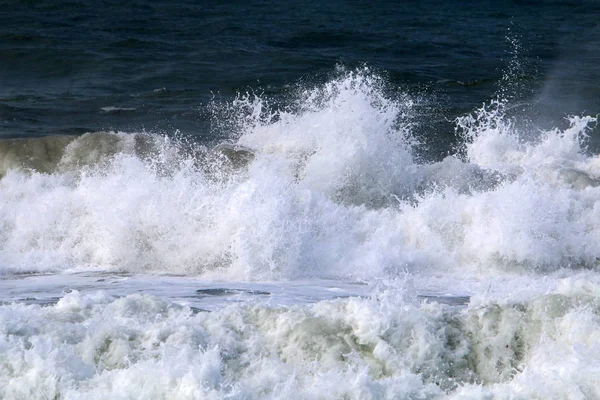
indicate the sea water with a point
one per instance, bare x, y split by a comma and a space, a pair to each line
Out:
327, 263
314, 245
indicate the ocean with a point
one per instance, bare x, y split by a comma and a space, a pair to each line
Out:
299, 200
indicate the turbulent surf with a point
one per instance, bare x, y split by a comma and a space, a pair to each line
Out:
470, 276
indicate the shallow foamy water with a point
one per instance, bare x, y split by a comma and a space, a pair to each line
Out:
114, 336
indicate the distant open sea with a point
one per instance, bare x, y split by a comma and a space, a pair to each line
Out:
299, 200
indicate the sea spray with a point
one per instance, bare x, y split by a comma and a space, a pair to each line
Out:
329, 190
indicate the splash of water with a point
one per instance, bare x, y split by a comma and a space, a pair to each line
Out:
326, 188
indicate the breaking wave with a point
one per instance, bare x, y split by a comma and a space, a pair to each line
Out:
328, 187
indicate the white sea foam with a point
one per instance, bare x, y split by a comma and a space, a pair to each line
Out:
113, 109
332, 189
505, 232
386, 346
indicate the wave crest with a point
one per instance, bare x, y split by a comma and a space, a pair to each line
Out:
326, 187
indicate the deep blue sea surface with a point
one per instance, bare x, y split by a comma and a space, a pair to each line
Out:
69, 67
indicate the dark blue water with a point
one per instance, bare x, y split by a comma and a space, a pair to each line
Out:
68, 67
